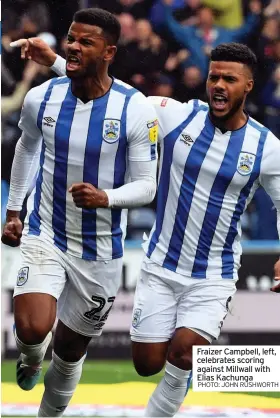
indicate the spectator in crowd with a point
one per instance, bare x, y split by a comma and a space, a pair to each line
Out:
35, 19
14, 102
182, 10
139, 9
201, 38
143, 52
271, 95
266, 47
273, 9
163, 86
123, 64
191, 85
228, 13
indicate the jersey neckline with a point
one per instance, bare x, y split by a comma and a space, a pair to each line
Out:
228, 131
97, 99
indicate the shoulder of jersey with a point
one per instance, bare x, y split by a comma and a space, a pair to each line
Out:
258, 125
126, 88
163, 102
39, 92
271, 139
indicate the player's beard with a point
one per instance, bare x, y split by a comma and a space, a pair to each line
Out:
224, 118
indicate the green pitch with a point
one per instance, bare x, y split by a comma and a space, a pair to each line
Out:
107, 372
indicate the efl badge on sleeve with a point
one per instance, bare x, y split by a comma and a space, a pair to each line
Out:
22, 276
245, 163
111, 130
153, 130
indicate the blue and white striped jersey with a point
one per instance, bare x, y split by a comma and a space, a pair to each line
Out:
206, 180
93, 142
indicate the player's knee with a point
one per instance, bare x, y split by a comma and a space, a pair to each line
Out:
31, 331
181, 358
149, 358
68, 345
147, 368
67, 351
67, 354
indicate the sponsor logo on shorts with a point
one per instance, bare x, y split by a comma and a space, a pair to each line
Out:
22, 276
164, 102
136, 317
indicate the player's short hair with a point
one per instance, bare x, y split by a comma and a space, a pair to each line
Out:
235, 52
101, 18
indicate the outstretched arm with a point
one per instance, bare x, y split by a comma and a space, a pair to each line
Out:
39, 51
183, 34
250, 24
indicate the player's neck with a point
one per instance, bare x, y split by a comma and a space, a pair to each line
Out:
87, 89
235, 122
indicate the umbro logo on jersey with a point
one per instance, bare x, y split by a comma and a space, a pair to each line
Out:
186, 139
48, 121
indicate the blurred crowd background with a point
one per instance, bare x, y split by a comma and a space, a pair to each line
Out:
164, 50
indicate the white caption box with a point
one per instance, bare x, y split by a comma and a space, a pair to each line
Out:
236, 368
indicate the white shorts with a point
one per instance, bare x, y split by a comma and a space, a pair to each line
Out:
162, 305
85, 290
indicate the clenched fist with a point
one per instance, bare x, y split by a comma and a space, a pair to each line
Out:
86, 196
12, 230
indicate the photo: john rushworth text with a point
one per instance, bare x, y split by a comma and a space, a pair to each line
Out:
236, 368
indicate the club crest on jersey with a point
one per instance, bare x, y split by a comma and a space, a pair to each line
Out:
245, 163
136, 317
111, 130
22, 276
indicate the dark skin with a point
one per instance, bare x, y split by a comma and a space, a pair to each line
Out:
233, 81
89, 52
90, 46
90, 80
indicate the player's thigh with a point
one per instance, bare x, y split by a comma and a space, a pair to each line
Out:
180, 350
88, 297
40, 281
153, 319
204, 306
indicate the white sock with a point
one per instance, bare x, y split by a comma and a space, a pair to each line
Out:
60, 381
32, 354
170, 392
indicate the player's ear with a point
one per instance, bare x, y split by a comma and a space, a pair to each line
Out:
249, 86
110, 52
